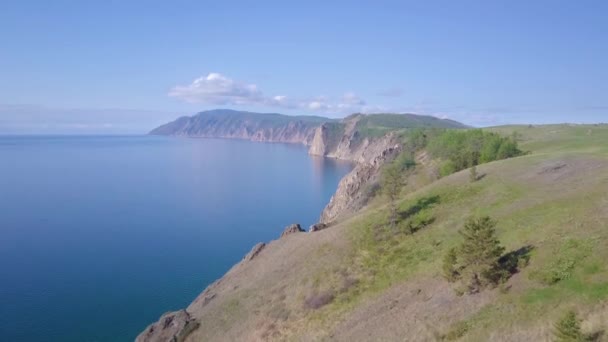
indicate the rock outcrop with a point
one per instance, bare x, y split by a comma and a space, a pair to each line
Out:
254, 251
316, 227
292, 229
353, 190
172, 326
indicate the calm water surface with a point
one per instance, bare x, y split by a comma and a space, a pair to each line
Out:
101, 235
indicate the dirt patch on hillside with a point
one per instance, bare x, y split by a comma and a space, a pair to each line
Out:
570, 168
422, 310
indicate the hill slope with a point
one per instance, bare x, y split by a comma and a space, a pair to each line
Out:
359, 281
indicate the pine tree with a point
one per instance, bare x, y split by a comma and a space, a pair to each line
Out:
568, 328
479, 253
392, 182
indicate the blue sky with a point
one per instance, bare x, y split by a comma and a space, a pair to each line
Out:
127, 66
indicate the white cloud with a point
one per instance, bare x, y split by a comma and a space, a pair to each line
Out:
316, 105
217, 89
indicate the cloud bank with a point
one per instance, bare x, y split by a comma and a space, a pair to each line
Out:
217, 89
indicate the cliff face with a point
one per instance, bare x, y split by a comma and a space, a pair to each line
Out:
351, 194
369, 153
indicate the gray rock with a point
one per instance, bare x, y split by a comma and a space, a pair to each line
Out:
172, 326
254, 251
291, 229
316, 227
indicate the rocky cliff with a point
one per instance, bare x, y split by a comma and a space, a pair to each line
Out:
353, 189
347, 142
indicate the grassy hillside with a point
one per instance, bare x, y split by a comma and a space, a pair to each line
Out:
377, 125
364, 280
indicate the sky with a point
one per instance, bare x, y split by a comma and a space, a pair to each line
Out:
96, 67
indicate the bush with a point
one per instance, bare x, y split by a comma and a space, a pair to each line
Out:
568, 255
464, 149
457, 331
473, 174
447, 168
568, 328
450, 270
318, 300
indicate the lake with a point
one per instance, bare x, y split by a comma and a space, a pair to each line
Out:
100, 235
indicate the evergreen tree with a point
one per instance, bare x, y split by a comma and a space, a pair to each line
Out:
568, 328
392, 182
479, 253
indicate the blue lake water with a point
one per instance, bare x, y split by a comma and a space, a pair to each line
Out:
101, 235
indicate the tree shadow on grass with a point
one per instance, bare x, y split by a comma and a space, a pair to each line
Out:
421, 204
511, 263
415, 217
596, 336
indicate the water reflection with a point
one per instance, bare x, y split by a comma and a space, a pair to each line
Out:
322, 179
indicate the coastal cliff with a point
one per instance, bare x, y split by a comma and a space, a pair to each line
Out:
353, 138
367, 140
351, 193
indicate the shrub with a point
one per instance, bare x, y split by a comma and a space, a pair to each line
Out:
568, 255
568, 328
457, 331
318, 300
473, 174
450, 270
447, 168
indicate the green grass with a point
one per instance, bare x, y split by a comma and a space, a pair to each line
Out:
562, 225
560, 138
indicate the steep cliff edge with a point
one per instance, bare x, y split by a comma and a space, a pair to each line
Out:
351, 193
